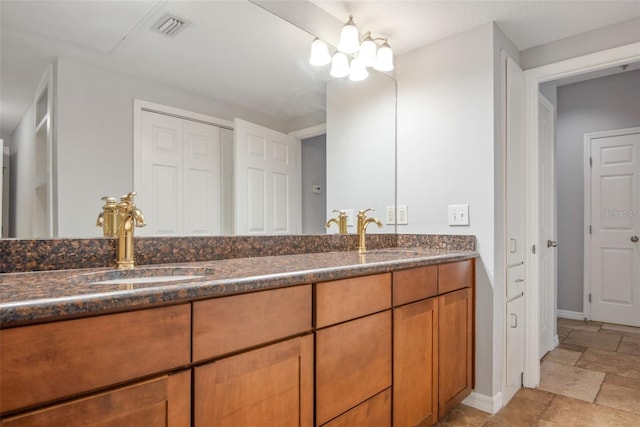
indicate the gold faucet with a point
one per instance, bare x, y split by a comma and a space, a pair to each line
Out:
340, 221
128, 216
363, 221
108, 218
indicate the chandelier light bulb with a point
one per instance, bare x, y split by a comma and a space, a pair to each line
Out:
319, 53
358, 70
339, 65
368, 51
384, 59
349, 38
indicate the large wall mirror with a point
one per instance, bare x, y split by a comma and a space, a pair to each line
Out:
77, 75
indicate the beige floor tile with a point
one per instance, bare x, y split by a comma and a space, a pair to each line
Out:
608, 369
519, 412
464, 416
547, 423
563, 356
624, 362
570, 381
629, 347
572, 347
563, 332
535, 395
632, 383
618, 397
605, 341
573, 412
579, 324
621, 328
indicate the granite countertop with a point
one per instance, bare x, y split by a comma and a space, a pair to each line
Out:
37, 297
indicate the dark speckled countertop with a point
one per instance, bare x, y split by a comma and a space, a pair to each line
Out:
36, 297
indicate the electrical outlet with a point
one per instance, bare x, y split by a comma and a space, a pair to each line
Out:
349, 213
458, 214
391, 215
403, 215
316, 189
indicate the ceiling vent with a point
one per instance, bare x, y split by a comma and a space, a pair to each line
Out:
170, 25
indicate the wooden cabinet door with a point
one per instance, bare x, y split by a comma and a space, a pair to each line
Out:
353, 363
160, 402
270, 386
415, 362
455, 348
375, 412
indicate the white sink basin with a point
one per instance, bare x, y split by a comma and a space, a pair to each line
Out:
141, 275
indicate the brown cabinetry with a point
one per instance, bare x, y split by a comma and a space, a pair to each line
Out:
455, 345
353, 358
415, 364
160, 402
52, 361
270, 386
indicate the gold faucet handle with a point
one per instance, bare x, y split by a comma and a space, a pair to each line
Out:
364, 211
128, 198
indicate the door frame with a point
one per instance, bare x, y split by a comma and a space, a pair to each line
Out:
588, 137
596, 61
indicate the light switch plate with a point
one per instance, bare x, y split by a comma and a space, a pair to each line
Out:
390, 217
403, 215
458, 214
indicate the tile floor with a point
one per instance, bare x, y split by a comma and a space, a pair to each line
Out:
591, 379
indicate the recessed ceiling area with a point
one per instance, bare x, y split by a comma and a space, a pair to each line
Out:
238, 53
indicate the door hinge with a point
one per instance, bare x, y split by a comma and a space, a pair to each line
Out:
590, 162
589, 298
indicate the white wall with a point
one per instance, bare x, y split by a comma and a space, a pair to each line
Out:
94, 134
601, 104
314, 172
360, 147
446, 156
22, 180
615, 35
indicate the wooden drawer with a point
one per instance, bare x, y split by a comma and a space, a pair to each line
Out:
163, 401
414, 284
229, 324
341, 300
456, 275
42, 363
374, 412
270, 386
353, 363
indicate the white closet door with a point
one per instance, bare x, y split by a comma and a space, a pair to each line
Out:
515, 184
161, 178
266, 182
202, 207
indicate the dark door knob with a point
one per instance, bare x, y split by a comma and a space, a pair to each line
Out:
552, 243
634, 239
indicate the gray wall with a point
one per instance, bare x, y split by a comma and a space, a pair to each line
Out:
601, 104
314, 172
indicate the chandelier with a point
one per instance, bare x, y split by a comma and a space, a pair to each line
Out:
354, 55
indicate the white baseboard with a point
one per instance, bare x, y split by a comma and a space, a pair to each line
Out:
574, 315
483, 402
556, 341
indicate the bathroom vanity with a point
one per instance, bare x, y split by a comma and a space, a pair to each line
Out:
336, 339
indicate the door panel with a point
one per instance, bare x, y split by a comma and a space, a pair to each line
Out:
615, 220
547, 226
515, 346
267, 181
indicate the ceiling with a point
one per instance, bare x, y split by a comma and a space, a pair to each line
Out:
210, 57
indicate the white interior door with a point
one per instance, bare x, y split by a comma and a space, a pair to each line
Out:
6, 172
547, 226
161, 174
202, 211
266, 180
615, 226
